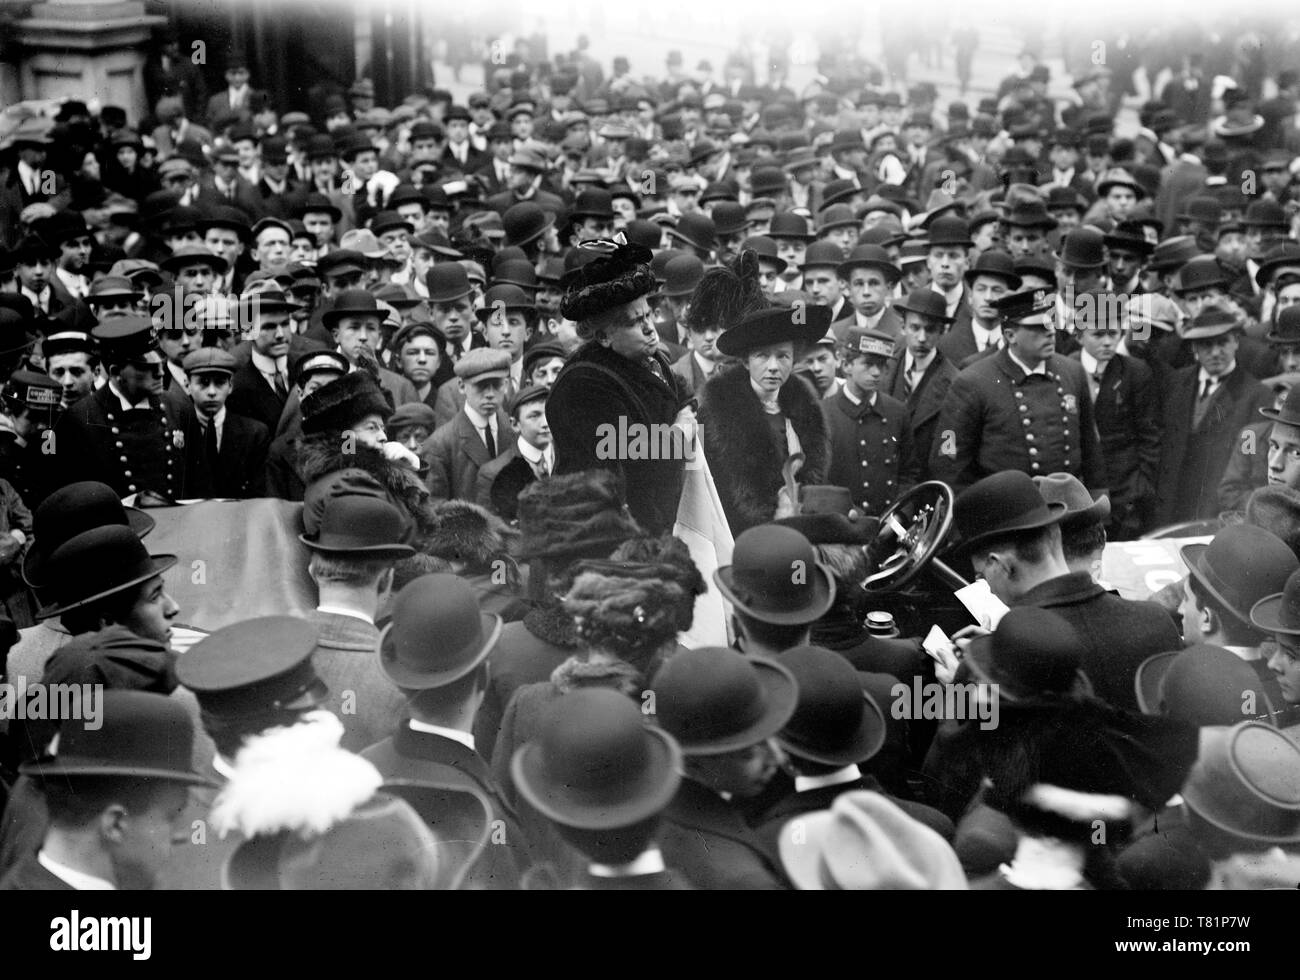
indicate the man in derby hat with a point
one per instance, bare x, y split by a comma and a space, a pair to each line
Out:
728, 757
871, 443
1083, 529
1205, 406
947, 249
225, 453
354, 324
618, 384
529, 458
477, 432
115, 791
1242, 803
835, 731
672, 303
434, 651
757, 415
122, 434
260, 387
528, 167
820, 278
1241, 565
352, 556
1023, 407
1025, 225
1127, 410
604, 779
1127, 251
1013, 539
920, 374
869, 277
977, 327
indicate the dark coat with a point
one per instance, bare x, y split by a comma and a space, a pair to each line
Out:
253, 398
87, 446
923, 404
595, 390
998, 418
1193, 461
1127, 411
241, 459
422, 756
29, 876
1118, 633
742, 451
320, 454
687, 369
1247, 468
527, 652
871, 450
365, 700
502, 480
705, 836
455, 454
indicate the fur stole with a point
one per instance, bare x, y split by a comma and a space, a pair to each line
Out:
741, 452
599, 671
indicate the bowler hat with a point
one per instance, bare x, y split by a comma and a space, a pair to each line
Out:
835, 216
137, 734
713, 700
447, 282
437, 634
1286, 254
1202, 685
1059, 198
1118, 177
504, 296
767, 182
696, 230
340, 262
681, 275
1289, 413
763, 247
593, 202
927, 303
596, 765
838, 191
787, 224
1033, 653
835, 722
1203, 208
729, 218
1083, 248
822, 254
996, 263
1266, 213
360, 527
1240, 566
343, 402
69, 511
948, 230
800, 325
1128, 236
1280, 613
1287, 328
351, 303
98, 563
386, 221
774, 577
1029, 214
865, 842
1246, 784
1082, 506
1000, 505
525, 222
193, 255
870, 257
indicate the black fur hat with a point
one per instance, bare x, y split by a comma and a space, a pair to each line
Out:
579, 515
465, 532
342, 403
613, 279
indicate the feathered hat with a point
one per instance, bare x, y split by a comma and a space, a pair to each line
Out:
619, 274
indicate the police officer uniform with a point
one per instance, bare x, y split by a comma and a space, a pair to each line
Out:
997, 417
22, 463
133, 450
871, 442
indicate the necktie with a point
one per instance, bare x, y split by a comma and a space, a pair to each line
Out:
281, 389
1202, 404
210, 450
491, 443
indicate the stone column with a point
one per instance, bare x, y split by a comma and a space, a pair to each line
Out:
86, 49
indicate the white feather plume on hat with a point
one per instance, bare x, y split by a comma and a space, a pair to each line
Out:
295, 778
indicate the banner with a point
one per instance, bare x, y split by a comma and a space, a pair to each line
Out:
703, 526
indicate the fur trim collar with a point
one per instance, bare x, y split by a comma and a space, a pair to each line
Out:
741, 452
320, 455
600, 671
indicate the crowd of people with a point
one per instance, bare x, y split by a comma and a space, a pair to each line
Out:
488, 346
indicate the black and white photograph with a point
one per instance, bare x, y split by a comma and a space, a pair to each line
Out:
657, 446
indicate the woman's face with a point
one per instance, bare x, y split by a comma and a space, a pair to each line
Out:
770, 366
127, 156
632, 333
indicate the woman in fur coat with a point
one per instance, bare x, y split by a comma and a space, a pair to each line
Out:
343, 440
756, 414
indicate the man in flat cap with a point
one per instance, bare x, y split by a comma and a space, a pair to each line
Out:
225, 453
479, 431
529, 458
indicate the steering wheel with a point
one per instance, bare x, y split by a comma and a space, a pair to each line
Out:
911, 532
